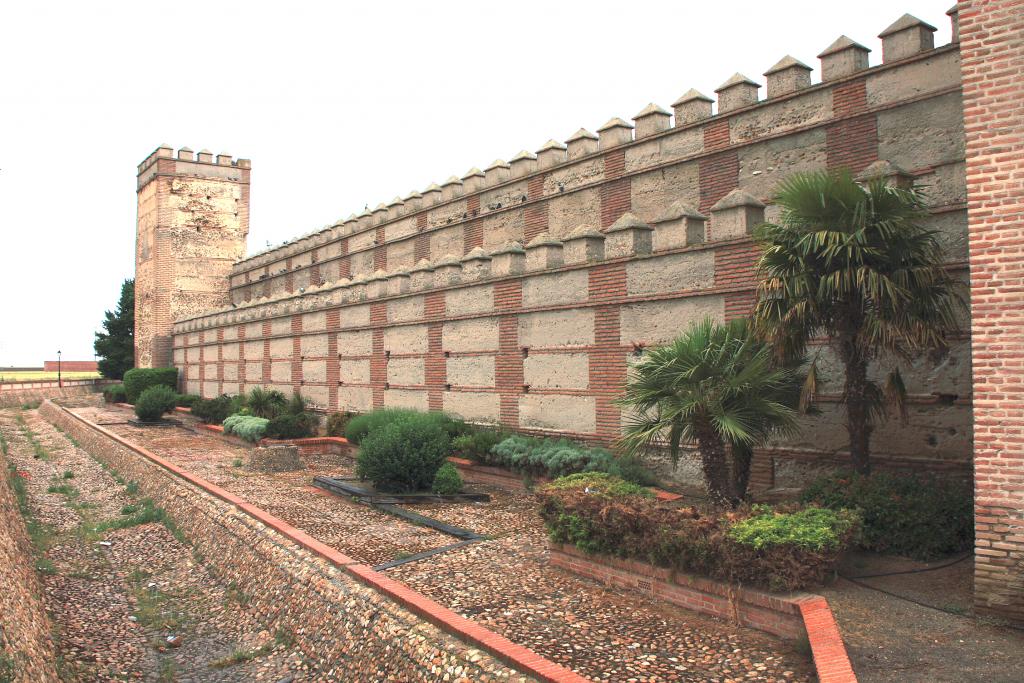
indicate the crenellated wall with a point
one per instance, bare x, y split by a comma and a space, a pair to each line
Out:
521, 293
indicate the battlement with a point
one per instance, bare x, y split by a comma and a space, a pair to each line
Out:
163, 161
738, 101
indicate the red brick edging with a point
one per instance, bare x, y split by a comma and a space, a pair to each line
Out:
789, 616
510, 653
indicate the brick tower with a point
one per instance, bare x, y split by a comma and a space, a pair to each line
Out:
193, 219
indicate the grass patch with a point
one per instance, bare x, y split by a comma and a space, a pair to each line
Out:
42, 536
39, 452
31, 405
237, 462
237, 595
63, 489
68, 474
3, 443
282, 638
6, 668
168, 671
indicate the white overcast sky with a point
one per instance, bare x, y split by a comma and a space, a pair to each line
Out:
338, 105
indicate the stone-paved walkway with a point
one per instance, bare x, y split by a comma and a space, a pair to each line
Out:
116, 596
504, 583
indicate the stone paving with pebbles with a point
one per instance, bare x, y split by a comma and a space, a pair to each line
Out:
503, 583
116, 596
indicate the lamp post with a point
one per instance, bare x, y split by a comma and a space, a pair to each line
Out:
59, 385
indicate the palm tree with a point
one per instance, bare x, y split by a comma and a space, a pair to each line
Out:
851, 262
717, 387
266, 403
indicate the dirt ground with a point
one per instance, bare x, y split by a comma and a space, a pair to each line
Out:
891, 639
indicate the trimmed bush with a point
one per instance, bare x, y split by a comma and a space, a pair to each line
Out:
248, 427
213, 411
187, 400
920, 517
403, 454
336, 424
115, 393
476, 444
361, 425
780, 549
289, 426
154, 402
561, 457
447, 481
138, 380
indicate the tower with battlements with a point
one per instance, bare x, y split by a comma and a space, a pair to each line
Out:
193, 219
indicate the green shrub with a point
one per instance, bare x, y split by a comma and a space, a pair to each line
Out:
248, 427
336, 424
404, 453
187, 400
266, 403
811, 528
361, 425
447, 481
154, 402
476, 444
291, 426
561, 457
115, 393
920, 517
213, 411
783, 549
138, 380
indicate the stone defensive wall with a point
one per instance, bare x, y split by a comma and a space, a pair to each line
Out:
522, 293
350, 621
24, 627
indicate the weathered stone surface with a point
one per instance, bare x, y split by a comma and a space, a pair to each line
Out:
274, 459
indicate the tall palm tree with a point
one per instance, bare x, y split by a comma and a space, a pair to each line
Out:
852, 263
716, 387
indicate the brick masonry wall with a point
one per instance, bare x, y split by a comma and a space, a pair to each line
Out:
542, 344
992, 45
342, 626
24, 626
70, 366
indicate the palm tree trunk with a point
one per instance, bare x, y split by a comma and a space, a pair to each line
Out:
858, 417
741, 458
715, 465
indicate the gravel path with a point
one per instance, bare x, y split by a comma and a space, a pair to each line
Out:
504, 583
116, 596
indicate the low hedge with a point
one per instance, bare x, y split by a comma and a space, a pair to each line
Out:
249, 427
138, 380
919, 517
561, 457
213, 411
779, 549
115, 393
360, 426
292, 426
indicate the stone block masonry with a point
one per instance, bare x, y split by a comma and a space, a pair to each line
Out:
27, 648
992, 46
351, 622
522, 293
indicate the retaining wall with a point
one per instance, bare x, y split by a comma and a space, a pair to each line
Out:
523, 293
18, 393
26, 644
351, 622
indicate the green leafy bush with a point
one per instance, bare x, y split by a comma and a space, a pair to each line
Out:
267, 403
138, 380
477, 443
336, 424
213, 411
248, 427
115, 393
291, 426
187, 400
404, 453
781, 549
154, 402
361, 425
557, 458
920, 517
447, 481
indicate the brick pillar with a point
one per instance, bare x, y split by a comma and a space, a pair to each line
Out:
202, 364
380, 252
241, 359
992, 52
289, 278
297, 352
220, 361
615, 195
333, 367
508, 365
378, 361
473, 233
851, 142
434, 365
608, 357
265, 380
